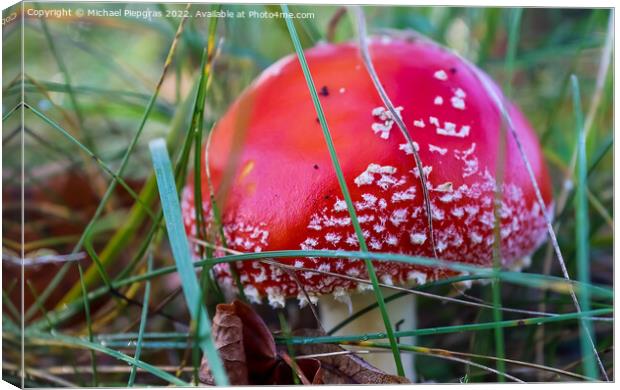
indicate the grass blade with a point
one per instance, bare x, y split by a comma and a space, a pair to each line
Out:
10, 112
93, 156
438, 352
89, 324
286, 333
197, 128
553, 283
10, 307
67, 81
143, 319
180, 250
446, 329
582, 230
511, 51
69, 341
513, 39
34, 293
307, 36
493, 17
442, 354
345, 191
197, 122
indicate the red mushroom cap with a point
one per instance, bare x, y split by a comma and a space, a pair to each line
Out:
283, 192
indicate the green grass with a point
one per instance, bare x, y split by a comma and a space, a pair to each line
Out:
89, 324
451, 329
511, 54
91, 155
143, 320
97, 112
181, 252
582, 231
538, 281
89, 276
345, 191
75, 342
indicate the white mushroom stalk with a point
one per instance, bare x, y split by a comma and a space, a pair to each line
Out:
402, 312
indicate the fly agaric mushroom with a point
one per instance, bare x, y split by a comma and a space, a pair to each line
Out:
269, 155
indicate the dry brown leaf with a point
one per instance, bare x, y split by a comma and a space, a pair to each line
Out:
227, 329
250, 356
258, 341
245, 344
343, 368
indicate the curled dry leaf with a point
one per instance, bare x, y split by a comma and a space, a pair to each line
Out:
343, 368
250, 356
244, 342
228, 336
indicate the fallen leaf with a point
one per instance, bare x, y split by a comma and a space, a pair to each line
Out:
343, 368
245, 344
227, 329
258, 341
250, 356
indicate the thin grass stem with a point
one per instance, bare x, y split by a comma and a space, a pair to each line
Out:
552, 283
62, 340
345, 191
89, 326
582, 228
448, 329
143, 320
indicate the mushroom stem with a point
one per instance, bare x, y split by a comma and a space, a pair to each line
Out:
402, 313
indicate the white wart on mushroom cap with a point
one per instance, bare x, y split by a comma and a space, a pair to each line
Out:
284, 193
